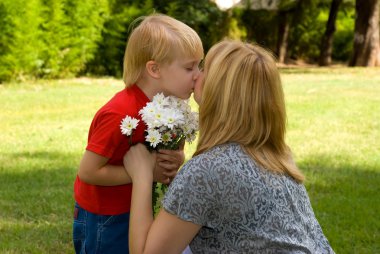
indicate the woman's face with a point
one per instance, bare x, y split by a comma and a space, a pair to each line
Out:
198, 88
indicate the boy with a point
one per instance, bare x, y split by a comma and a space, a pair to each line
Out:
162, 55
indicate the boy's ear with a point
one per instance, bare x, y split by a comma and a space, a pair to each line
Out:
153, 69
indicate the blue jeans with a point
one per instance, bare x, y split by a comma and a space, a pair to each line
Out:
103, 234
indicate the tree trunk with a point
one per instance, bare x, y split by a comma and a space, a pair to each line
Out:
283, 34
327, 39
366, 38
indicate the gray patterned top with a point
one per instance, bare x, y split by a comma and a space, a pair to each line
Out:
242, 208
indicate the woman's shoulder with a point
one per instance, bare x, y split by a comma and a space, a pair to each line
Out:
221, 151
216, 153
225, 156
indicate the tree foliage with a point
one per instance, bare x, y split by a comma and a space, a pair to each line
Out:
48, 38
62, 38
108, 59
19, 38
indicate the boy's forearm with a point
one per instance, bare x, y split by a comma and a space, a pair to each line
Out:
108, 175
113, 175
94, 169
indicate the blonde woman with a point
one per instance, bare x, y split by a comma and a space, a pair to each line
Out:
241, 192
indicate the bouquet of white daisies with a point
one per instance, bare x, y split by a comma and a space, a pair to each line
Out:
169, 122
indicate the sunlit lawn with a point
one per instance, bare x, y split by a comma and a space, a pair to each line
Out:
333, 130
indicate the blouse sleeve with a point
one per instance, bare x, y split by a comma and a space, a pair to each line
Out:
193, 195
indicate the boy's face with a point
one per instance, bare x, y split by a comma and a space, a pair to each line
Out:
178, 78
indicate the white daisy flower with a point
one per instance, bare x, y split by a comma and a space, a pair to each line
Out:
173, 118
166, 137
128, 124
147, 112
153, 137
160, 99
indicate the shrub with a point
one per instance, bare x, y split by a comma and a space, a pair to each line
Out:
48, 38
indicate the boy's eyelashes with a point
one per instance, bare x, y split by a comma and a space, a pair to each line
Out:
191, 68
194, 66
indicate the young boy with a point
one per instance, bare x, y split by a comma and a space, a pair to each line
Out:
162, 55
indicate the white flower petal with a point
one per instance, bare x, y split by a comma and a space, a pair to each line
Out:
128, 124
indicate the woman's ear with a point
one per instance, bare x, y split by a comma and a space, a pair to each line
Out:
153, 69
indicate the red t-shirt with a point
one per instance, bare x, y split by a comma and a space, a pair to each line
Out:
105, 138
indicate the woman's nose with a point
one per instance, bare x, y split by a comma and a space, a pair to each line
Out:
197, 74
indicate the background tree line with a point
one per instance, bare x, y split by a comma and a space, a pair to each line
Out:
63, 38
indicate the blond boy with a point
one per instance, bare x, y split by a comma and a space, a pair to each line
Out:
162, 55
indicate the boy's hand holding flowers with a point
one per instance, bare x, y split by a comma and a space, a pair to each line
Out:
167, 164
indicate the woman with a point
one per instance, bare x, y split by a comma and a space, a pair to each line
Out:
241, 192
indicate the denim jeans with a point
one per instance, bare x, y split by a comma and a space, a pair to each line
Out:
103, 234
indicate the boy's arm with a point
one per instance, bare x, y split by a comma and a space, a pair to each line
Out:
170, 161
94, 169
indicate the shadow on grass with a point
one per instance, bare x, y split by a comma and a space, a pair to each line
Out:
345, 199
36, 238
36, 202
39, 180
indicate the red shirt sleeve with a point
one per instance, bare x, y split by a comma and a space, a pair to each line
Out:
105, 135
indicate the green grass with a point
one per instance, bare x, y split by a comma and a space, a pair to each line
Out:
333, 130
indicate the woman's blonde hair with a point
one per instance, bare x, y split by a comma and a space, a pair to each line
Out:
162, 39
243, 101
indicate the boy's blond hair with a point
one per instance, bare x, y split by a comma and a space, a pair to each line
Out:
243, 101
159, 38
